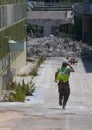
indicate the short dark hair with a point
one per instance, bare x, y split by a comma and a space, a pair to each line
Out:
64, 64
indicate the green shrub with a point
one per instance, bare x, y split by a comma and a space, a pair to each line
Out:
11, 86
40, 60
28, 89
18, 95
21, 91
32, 88
34, 71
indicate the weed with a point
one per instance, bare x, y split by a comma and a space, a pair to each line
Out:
40, 60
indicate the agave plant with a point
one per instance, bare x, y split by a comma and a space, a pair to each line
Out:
18, 95
28, 89
31, 89
21, 91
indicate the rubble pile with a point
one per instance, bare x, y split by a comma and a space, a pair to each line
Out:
56, 47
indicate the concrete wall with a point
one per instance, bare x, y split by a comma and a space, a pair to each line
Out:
15, 66
19, 62
0, 85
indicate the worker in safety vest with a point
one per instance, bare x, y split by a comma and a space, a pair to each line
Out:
62, 77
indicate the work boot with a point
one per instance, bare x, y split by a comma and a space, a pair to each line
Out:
60, 102
63, 107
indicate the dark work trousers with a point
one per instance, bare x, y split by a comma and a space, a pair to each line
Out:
64, 92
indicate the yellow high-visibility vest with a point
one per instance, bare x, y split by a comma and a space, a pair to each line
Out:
63, 75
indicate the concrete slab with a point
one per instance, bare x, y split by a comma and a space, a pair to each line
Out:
46, 15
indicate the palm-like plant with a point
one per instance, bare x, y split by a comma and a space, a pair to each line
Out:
21, 91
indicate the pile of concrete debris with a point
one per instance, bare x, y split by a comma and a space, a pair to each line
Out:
57, 47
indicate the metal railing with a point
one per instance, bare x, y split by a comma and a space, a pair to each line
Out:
52, 5
4, 62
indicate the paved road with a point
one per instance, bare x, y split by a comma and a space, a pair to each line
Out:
42, 112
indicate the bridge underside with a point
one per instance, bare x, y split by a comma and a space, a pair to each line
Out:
49, 19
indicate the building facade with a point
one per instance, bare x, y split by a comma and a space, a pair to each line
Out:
84, 11
12, 39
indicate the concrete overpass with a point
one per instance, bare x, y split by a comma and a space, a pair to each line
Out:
53, 6
48, 19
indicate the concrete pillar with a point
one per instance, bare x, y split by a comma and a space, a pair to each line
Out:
47, 29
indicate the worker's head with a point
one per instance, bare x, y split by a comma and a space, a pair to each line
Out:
64, 64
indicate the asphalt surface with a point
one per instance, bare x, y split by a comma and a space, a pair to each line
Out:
43, 111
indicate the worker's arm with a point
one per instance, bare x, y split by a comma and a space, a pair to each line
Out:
56, 73
72, 70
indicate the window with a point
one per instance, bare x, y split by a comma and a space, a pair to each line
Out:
3, 16
0, 18
12, 13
